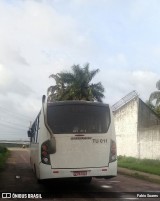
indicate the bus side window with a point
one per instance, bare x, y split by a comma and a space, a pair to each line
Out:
37, 128
34, 130
33, 133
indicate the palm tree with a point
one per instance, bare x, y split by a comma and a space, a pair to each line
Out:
55, 92
155, 95
76, 85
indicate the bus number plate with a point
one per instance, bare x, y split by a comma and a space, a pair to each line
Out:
80, 173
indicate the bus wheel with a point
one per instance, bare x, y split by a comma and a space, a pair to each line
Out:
35, 173
86, 180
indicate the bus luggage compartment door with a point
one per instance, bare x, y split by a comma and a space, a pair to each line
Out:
81, 151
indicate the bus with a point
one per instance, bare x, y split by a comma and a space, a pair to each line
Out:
73, 139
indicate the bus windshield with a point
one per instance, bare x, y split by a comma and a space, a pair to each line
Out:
78, 118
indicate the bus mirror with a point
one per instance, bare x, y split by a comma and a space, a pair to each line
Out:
29, 133
43, 98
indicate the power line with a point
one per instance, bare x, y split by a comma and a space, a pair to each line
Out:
13, 123
15, 114
14, 133
10, 126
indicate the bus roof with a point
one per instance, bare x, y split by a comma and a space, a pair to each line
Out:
77, 102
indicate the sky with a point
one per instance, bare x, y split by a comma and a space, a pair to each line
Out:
42, 37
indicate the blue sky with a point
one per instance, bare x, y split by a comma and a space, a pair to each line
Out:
41, 37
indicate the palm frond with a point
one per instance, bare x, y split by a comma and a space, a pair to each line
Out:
56, 77
52, 89
66, 77
155, 96
92, 74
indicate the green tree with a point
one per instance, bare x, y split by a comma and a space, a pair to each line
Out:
155, 95
76, 85
154, 99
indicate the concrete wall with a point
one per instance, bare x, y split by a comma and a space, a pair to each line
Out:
149, 142
126, 119
137, 130
146, 117
148, 132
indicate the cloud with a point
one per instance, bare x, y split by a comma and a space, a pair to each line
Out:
41, 37
118, 60
20, 88
142, 8
88, 2
4, 76
29, 27
10, 84
120, 82
16, 57
36, 40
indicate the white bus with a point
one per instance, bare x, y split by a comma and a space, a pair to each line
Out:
73, 139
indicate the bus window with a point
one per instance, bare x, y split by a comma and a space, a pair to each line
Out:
34, 130
78, 118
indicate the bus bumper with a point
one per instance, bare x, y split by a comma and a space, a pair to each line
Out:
46, 172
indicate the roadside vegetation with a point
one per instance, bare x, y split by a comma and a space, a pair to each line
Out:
143, 165
3, 156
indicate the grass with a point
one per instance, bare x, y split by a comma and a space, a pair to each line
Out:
142, 165
3, 156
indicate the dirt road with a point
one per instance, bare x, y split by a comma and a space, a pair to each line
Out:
18, 177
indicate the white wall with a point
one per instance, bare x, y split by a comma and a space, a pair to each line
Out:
126, 119
150, 142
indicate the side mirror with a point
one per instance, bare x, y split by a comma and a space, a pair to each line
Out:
29, 133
